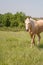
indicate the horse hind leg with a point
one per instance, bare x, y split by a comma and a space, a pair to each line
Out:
38, 39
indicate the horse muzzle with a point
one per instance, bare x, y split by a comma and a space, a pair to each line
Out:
27, 30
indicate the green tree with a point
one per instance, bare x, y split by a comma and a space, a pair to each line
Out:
7, 19
1, 20
19, 17
7, 23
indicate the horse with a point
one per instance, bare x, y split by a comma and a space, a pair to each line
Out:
34, 28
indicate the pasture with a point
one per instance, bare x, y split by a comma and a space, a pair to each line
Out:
15, 49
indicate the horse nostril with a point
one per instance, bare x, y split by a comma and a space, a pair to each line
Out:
27, 30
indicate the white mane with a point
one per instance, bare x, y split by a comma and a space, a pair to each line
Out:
32, 19
27, 20
33, 22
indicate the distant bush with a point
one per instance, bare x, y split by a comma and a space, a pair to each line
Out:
7, 22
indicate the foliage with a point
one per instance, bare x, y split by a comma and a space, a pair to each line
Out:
7, 23
14, 20
1, 20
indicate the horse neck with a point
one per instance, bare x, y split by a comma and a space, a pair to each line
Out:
32, 23
32, 19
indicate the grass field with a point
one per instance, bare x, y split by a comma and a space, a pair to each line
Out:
15, 49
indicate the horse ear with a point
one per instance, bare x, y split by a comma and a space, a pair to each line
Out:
30, 17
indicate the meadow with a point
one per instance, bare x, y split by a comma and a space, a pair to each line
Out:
15, 49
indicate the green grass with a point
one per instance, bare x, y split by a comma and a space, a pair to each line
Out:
15, 49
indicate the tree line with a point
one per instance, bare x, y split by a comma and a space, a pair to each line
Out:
12, 20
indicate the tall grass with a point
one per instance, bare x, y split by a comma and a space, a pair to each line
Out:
14, 29
15, 49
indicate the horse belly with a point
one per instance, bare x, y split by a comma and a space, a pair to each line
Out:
41, 29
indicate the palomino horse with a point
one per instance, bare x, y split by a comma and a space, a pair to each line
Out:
35, 28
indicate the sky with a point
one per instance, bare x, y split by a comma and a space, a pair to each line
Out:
32, 8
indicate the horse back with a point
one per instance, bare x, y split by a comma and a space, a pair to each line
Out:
40, 25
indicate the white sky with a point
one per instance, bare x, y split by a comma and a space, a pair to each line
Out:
33, 8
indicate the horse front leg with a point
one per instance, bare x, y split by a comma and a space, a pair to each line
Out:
32, 40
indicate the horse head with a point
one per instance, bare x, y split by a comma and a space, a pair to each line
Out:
27, 24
